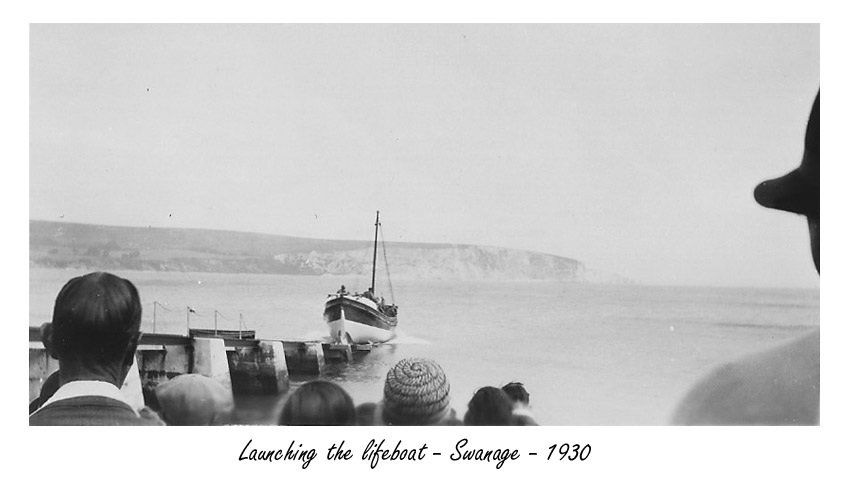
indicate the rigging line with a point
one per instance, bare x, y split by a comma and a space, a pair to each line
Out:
162, 306
387, 270
221, 315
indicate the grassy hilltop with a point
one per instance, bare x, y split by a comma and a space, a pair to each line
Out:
76, 245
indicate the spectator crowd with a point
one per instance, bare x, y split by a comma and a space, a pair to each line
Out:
96, 329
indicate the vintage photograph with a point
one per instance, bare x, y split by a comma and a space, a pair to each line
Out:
424, 224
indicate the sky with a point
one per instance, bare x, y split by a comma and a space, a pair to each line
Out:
632, 148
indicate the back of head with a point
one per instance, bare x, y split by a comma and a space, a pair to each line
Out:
318, 403
489, 406
193, 399
96, 317
416, 393
365, 414
516, 392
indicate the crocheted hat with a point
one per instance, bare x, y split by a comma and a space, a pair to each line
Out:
416, 393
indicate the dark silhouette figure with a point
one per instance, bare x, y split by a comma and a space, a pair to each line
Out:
780, 386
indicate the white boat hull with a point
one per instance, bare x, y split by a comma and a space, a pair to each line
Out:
346, 331
354, 319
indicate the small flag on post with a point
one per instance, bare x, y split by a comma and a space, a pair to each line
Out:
188, 313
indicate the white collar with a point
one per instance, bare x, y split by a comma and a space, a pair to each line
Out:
79, 388
523, 410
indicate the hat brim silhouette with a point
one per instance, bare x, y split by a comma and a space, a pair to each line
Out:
791, 192
799, 190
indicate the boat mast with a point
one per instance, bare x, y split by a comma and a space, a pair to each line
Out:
375, 243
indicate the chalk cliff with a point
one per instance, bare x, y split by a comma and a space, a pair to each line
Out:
75, 245
442, 262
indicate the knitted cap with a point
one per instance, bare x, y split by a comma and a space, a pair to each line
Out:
416, 393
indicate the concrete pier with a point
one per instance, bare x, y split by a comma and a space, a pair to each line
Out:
273, 367
337, 352
41, 366
304, 358
343, 352
132, 386
246, 366
210, 360
160, 358
257, 366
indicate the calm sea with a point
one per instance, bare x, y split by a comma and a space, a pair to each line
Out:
588, 354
